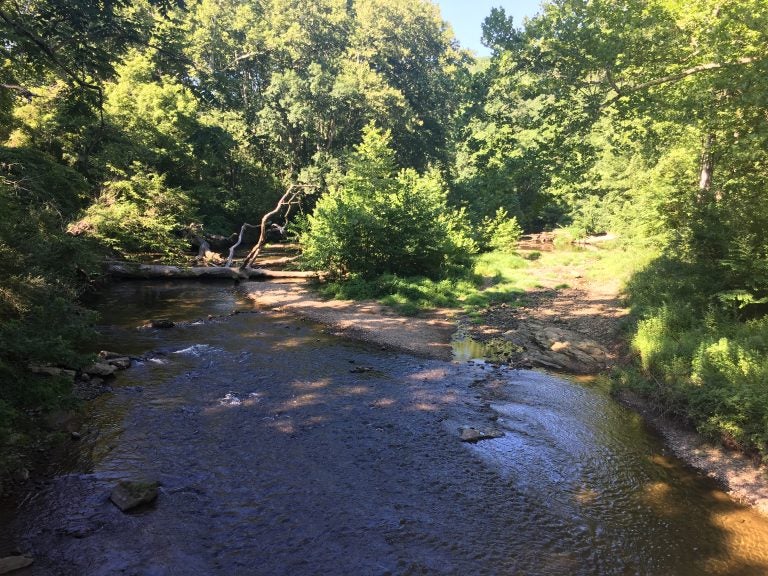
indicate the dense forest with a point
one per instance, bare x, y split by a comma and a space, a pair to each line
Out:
127, 126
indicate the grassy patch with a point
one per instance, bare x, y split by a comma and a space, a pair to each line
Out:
494, 278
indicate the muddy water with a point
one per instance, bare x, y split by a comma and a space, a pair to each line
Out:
282, 450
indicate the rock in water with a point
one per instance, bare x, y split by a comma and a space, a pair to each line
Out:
470, 434
162, 324
121, 363
13, 563
107, 355
129, 494
100, 369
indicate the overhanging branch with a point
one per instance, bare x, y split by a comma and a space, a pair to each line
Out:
48, 52
701, 68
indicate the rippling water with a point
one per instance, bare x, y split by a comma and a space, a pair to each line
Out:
282, 450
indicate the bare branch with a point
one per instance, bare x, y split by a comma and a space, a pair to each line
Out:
231, 256
291, 196
20, 90
708, 67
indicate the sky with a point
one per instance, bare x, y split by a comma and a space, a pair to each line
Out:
466, 16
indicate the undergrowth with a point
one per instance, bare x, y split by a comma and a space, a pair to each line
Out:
701, 362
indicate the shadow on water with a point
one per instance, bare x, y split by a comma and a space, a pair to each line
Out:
282, 450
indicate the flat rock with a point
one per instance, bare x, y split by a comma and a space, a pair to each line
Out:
559, 348
100, 369
13, 563
129, 494
52, 371
471, 434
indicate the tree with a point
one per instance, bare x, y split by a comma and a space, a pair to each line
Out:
375, 220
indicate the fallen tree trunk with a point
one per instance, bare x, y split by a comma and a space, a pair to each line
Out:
135, 270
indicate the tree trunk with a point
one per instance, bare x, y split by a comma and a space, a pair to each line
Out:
707, 168
134, 270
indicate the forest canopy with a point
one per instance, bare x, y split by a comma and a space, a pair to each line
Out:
124, 124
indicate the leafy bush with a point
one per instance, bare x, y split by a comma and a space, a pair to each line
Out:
137, 213
500, 232
698, 359
374, 220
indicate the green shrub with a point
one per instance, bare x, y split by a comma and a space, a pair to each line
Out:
500, 232
698, 359
44, 270
138, 213
374, 220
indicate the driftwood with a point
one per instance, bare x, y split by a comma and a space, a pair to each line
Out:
134, 270
205, 255
291, 197
597, 239
232, 248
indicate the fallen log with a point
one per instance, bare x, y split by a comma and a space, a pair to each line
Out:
264, 273
135, 270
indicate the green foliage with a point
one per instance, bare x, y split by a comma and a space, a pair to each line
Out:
493, 278
696, 357
43, 269
138, 213
500, 232
407, 295
375, 221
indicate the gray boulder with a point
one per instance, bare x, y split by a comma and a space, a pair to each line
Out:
100, 369
130, 494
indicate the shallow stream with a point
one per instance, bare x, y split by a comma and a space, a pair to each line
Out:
283, 450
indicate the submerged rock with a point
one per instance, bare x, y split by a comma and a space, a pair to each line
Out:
13, 563
361, 369
471, 434
20, 474
130, 494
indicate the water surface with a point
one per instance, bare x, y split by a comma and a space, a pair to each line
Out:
283, 450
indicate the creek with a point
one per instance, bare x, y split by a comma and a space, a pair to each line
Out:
283, 450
